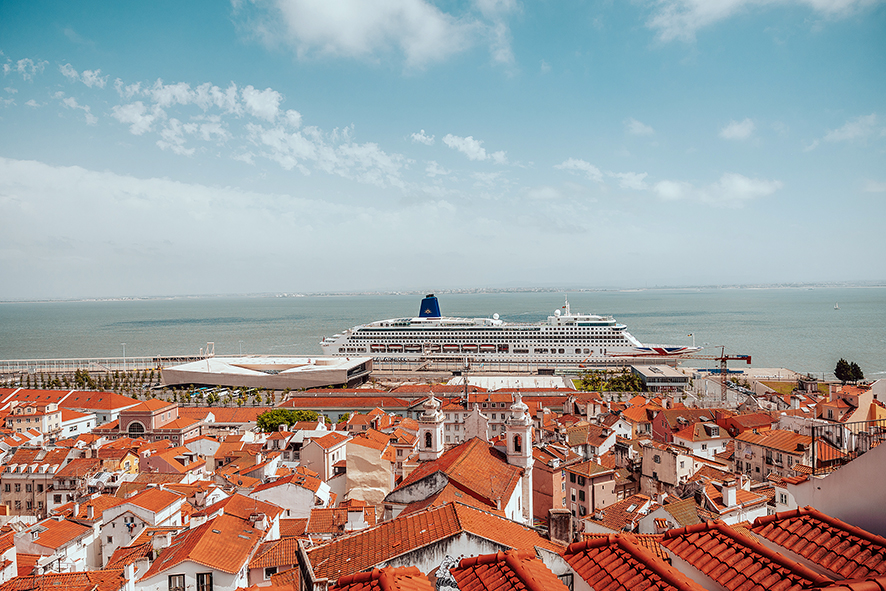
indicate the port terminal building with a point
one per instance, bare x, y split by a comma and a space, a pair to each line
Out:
270, 373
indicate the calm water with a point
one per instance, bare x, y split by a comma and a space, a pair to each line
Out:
794, 328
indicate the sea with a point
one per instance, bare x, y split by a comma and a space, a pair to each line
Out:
806, 329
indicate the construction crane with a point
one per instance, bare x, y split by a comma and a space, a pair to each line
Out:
722, 358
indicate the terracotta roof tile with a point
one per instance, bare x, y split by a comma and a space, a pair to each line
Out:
293, 528
95, 580
737, 562
845, 550
332, 520
473, 466
513, 570
223, 543
154, 499
282, 552
615, 562
331, 440
54, 534
367, 548
404, 578
129, 554
624, 515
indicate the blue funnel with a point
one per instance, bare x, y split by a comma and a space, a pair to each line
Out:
430, 308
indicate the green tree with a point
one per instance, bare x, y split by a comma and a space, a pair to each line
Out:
271, 420
843, 371
855, 372
344, 418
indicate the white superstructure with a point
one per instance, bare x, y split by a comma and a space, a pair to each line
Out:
565, 337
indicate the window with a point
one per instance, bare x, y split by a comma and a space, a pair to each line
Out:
682, 463
782, 498
39, 488
110, 539
271, 570
704, 445
581, 495
18, 487
29, 487
204, 581
7, 488
57, 499
176, 583
656, 458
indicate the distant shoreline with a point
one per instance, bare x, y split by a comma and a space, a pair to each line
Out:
478, 290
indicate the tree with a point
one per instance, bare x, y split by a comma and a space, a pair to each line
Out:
344, 417
271, 420
843, 371
855, 372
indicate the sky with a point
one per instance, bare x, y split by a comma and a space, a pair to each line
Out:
304, 146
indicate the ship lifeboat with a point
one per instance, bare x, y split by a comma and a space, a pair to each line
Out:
395, 348
413, 348
487, 348
503, 348
450, 348
434, 348
377, 348
469, 348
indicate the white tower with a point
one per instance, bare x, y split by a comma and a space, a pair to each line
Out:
430, 431
518, 433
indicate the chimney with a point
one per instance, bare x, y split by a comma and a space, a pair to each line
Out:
729, 491
560, 526
281, 427
76, 510
90, 511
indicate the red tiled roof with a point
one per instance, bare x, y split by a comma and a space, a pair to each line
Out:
94, 580
224, 543
282, 552
293, 528
474, 466
624, 514
154, 499
737, 562
55, 534
404, 578
331, 440
845, 550
367, 548
514, 570
616, 563
127, 554
332, 520
782, 440
350, 402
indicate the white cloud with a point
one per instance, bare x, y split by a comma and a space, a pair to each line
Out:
93, 78
127, 91
631, 180
874, 187
71, 103
27, 67
433, 169
474, 149
421, 138
69, 72
544, 193
139, 117
358, 29
738, 130
589, 169
173, 137
858, 128
89, 77
682, 19
732, 190
635, 127
545, 67
263, 104
32, 103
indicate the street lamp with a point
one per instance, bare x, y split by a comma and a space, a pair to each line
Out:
124, 357
241, 347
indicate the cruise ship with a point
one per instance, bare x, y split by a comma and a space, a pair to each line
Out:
566, 337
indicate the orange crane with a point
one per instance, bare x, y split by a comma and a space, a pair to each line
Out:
722, 358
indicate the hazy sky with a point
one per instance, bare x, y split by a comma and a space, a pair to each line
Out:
309, 145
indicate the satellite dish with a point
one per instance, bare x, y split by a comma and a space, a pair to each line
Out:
556, 312
495, 316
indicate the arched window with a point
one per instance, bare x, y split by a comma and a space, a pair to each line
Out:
518, 444
427, 439
136, 429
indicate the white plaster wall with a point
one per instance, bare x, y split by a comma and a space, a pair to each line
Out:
856, 493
